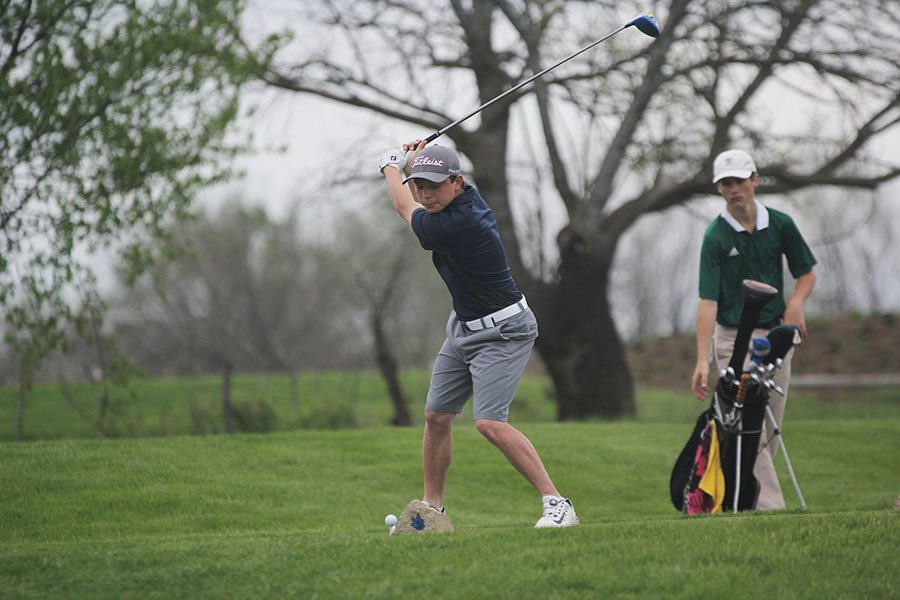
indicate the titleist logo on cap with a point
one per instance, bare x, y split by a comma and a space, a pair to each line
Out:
435, 163
426, 161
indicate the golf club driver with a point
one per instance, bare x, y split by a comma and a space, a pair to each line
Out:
646, 23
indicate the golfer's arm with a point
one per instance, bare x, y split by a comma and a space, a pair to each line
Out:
706, 322
401, 195
803, 288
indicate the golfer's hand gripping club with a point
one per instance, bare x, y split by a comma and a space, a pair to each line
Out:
394, 157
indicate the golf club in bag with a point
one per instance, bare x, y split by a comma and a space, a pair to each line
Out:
715, 469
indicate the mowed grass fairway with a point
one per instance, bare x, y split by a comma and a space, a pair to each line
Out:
300, 514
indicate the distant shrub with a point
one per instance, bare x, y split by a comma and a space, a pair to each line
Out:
256, 417
867, 329
329, 416
835, 344
204, 419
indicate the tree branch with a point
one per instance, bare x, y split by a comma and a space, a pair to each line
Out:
14, 46
600, 189
532, 34
724, 124
427, 118
863, 135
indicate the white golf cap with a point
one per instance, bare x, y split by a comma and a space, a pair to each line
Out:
733, 163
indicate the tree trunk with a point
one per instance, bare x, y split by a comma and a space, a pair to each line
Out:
97, 336
227, 411
387, 365
295, 393
578, 341
20, 412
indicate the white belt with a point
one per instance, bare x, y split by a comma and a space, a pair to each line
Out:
495, 318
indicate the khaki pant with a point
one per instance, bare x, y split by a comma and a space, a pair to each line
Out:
770, 496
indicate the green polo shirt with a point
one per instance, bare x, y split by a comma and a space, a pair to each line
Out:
731, 254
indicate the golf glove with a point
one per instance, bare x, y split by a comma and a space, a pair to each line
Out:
393, 158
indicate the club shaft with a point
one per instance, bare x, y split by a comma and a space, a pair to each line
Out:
441, 132
737, 475
787, 460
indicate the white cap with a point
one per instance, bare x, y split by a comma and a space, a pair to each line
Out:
733, 163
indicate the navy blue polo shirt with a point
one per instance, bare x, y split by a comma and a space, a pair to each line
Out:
466, 231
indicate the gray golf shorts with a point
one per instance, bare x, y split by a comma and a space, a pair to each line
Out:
484, 365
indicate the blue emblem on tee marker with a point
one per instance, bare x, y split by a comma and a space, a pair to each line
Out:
418, 523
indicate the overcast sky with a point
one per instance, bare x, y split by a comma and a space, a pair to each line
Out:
319, 136
302, 142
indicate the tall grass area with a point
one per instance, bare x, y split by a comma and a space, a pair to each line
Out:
331, 400
263, 403
299, 514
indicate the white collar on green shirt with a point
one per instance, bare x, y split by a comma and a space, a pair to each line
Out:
762, 218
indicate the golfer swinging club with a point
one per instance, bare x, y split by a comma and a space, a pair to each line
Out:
490, 331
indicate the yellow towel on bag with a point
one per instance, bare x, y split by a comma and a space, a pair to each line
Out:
713, 480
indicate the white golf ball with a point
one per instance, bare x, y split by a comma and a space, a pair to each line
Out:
390, 520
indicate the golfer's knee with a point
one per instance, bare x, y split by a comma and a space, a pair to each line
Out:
490, 429
438, 422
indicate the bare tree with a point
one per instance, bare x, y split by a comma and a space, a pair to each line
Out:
878, 262
386, 265
381, 293
853, 238
251, 294
654, 287
6, 362
625, 131
230, 303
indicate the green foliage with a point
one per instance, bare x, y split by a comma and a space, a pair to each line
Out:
338, 400
330, 416
300, 515
835, 345
192, 405
204, 418
113, 114
255, 417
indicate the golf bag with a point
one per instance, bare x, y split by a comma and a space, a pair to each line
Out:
718, 459
715, 467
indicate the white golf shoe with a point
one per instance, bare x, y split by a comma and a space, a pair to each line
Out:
558, 512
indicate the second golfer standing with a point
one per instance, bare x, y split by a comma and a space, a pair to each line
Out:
749, 241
